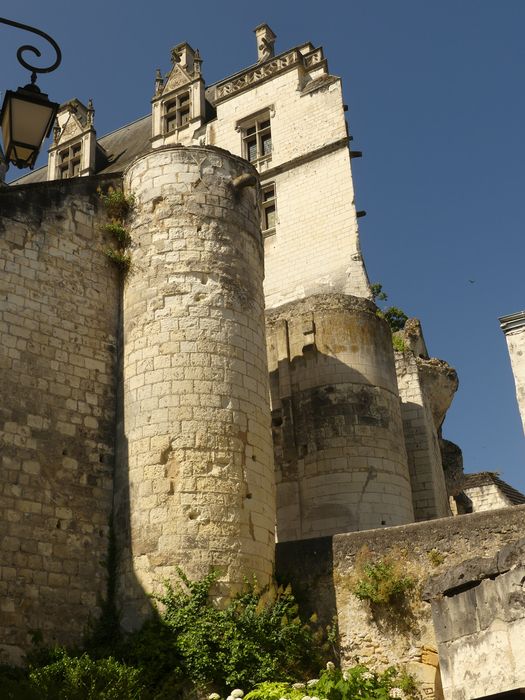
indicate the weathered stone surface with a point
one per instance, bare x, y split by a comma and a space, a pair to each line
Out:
382, 638
58, 327
195, 455
514, 328
338, 438
481, 637
427, 479
474, 570
440, 383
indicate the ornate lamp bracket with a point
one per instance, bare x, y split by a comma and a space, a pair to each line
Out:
27, 47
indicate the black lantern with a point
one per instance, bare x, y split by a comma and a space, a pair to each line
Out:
26, 119
27, 115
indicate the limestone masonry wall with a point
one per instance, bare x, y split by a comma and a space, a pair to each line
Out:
321, 572
340, 456
421, 440
58, 327
196, 443
516, 345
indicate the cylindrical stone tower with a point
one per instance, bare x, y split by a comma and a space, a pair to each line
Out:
196, 423
341, 463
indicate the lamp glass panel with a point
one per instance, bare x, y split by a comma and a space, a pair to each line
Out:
30, 121
6, 122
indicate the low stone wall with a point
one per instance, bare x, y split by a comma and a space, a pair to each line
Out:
379, 636
478, 610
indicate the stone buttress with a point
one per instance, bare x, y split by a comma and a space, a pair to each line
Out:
195, 442
341, 463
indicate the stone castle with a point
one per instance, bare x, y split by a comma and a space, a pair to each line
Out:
148, 404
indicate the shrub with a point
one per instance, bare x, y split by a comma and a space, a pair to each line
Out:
435, 557
395, 318
116, 203
121, 260
333, 684
381, 581
120, 233
398, 343
257, 636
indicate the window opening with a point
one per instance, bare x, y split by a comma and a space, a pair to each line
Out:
268, 209
177, 112
257, 140
69, 161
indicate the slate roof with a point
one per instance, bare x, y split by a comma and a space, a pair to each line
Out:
116, 150
492, 478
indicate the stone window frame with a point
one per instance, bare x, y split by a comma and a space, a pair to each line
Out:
268, 209
69, 161
256, 136
177, 112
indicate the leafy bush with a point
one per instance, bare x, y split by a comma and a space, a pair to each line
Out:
398, 343
119, 232
435, 557
189, 643
333, 684
395, 318
381, 581
83, 678
257, 636
120, 259
116, 203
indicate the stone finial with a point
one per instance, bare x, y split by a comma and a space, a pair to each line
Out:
90, 113
197, 62
56, 133
159, 82
265, 42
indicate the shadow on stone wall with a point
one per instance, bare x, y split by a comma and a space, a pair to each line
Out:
339, 449
132, 601
308, 566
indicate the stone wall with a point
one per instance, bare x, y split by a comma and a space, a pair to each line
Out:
58, 326
514, 328
486, 497
195, 457
478, 610
421, 439
339, 449
322, 571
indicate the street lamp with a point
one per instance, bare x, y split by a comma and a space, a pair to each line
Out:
27, 115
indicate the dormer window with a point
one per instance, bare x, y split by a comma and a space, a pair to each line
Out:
69, 161
177, 112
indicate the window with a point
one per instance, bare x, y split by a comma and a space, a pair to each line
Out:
268, 209
69, 161
177, 112
257, 140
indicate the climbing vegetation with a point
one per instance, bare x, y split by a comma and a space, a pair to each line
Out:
117, 206
381, 581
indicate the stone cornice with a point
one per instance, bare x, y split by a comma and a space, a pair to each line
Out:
304, 158
512, 322
258, 74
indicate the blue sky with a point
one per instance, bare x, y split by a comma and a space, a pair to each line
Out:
437, 104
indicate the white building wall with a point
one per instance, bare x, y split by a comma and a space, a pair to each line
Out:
315, 247
514, 328
486, 497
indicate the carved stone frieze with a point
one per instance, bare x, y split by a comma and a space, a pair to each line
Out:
313, 58
256, 75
